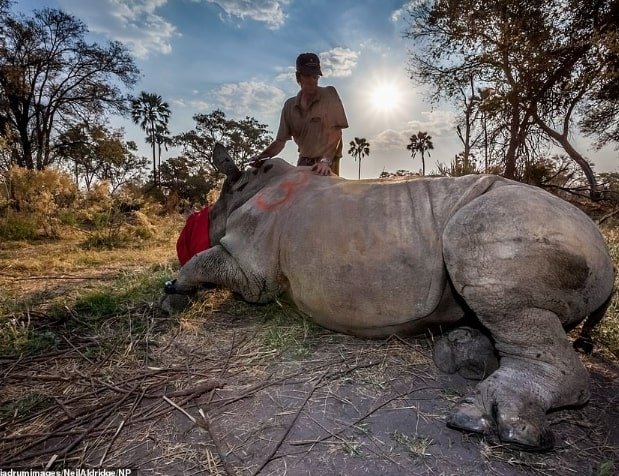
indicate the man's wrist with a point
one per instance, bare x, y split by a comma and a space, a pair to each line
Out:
327, 161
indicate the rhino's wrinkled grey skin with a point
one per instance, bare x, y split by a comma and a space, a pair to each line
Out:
375, 257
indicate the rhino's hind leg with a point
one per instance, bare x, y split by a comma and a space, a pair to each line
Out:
538, 371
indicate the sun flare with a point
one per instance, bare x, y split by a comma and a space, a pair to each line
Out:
385, 97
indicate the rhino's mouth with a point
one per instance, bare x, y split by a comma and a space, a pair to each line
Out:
171, 287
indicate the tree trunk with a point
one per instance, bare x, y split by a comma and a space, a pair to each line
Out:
26, 144
563, 141
159, 163
510, 155
154, 162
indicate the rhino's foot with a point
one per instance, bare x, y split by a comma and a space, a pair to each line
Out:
467, 351
468, 416
523, 428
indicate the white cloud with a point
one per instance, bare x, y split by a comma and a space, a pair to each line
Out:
270, 12
249, 98
389, 139
400, 13
436, 123
196, 105
338, 62
285, 74
132, 22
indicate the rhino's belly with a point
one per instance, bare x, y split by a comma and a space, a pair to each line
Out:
399, 317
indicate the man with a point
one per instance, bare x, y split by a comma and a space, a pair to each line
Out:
314, 118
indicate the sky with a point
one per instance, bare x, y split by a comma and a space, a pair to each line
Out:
239, 56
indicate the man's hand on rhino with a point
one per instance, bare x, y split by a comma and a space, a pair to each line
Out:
257, 161
322, 168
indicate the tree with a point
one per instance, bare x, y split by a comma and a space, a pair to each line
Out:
161, 138
601, 116
93, 152
545, 59
243, 139
189, 180
50, 78
461, 165
152, 114
398, 173
422, 143
359, 148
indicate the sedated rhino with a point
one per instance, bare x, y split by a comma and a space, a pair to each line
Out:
376, 257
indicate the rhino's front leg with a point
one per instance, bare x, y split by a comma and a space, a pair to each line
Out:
216, 266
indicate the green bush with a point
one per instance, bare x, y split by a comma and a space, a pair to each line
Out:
18, 227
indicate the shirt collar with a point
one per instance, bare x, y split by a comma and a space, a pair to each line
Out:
316, 97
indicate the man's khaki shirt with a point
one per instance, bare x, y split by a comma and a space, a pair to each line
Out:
309, 128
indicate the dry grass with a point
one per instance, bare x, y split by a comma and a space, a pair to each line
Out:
608, 332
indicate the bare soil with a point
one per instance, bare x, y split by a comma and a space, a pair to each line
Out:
233, 392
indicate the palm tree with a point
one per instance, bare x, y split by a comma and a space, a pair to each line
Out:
151, 113
359, 148
162, 138
420, 142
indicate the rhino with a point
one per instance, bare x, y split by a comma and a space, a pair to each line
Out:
379, 257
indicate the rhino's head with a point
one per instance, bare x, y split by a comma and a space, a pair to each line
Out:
237, 189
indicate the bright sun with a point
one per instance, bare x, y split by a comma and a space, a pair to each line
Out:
384, 97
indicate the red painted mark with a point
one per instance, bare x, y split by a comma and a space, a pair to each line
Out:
287, 189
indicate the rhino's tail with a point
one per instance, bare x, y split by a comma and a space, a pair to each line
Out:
584, 342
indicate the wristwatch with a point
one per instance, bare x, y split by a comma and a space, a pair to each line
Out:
324, 160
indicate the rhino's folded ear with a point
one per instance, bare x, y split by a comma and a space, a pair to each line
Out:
224, 163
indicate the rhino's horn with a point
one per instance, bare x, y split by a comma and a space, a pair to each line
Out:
224, 163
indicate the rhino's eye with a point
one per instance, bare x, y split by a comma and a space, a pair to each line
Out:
266, 168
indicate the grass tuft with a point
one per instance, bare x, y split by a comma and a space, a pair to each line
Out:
415, 445
287, 331
31, 402
607, 468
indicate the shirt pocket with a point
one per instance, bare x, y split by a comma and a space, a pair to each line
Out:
314, 128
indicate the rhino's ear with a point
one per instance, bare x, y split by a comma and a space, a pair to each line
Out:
224, 163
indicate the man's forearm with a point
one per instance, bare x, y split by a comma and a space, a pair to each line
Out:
335, 136
271, 151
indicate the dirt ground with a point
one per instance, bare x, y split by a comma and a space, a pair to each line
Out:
236, 392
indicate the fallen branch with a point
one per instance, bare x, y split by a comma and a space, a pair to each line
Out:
191, 418
607, 216
71, 446
207, 423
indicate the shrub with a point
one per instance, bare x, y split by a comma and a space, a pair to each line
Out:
114, 221
18, 227
33, 199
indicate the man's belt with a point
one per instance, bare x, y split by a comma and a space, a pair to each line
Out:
308, 160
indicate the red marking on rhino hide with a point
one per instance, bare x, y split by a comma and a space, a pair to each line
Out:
286, 190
